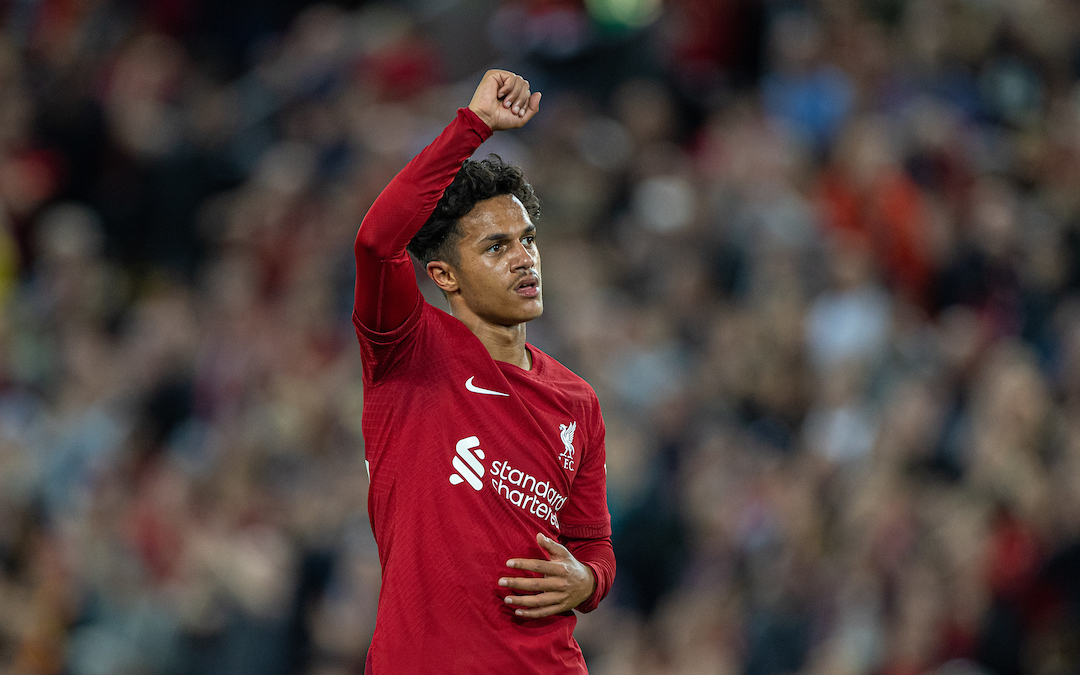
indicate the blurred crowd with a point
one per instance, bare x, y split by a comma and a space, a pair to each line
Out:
820, 260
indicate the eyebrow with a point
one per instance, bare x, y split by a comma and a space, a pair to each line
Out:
500, 236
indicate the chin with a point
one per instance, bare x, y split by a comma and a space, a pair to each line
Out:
537, 311
530, 314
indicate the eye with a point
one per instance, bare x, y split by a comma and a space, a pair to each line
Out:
494, 248
529, 239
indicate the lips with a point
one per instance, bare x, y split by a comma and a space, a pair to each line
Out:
528, 287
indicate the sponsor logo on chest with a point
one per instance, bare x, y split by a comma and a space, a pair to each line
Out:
537, 496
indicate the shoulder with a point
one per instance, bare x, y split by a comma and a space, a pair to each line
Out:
429, 334
556, 373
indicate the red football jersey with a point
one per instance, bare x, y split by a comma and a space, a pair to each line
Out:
469, 458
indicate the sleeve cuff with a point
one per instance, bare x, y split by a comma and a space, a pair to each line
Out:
473, 121
594, 600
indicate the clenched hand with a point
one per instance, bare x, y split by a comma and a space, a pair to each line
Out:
503, 100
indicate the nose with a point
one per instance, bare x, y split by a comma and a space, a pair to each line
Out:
522, 257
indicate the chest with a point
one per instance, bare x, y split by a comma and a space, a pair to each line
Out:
479, 433
524, 464
519, 431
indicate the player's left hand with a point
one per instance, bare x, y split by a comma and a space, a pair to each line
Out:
566, 582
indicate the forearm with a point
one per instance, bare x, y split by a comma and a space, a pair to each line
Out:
386, 291
599, 556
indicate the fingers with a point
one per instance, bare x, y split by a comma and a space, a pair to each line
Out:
513, 91
515, 94
554, 566
503, 100
551, 591
532, 107
541, 612
554, 549
535, 584
506, 80
534, 606
538, 600
539, 605
538, 566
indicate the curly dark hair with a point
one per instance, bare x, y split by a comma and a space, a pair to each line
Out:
475, 182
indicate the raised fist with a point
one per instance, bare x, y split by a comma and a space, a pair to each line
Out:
503, 100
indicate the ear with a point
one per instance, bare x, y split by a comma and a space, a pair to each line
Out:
444, 275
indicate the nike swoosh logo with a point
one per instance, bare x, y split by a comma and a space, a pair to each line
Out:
480, 390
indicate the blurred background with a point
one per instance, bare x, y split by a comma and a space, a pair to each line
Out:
820, 260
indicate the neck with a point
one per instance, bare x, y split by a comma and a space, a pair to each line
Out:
504, 343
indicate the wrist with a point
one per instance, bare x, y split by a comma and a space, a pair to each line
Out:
590, 587
484, 117
592, 580
590, 601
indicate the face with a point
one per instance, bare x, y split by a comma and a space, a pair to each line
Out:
498, 275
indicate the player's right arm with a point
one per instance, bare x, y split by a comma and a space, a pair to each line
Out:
386, 292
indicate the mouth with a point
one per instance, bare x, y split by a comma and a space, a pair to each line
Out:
528, 286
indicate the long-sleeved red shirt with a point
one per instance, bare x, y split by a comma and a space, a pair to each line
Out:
468, 458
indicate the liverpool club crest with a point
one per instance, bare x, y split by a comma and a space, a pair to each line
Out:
566, 433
